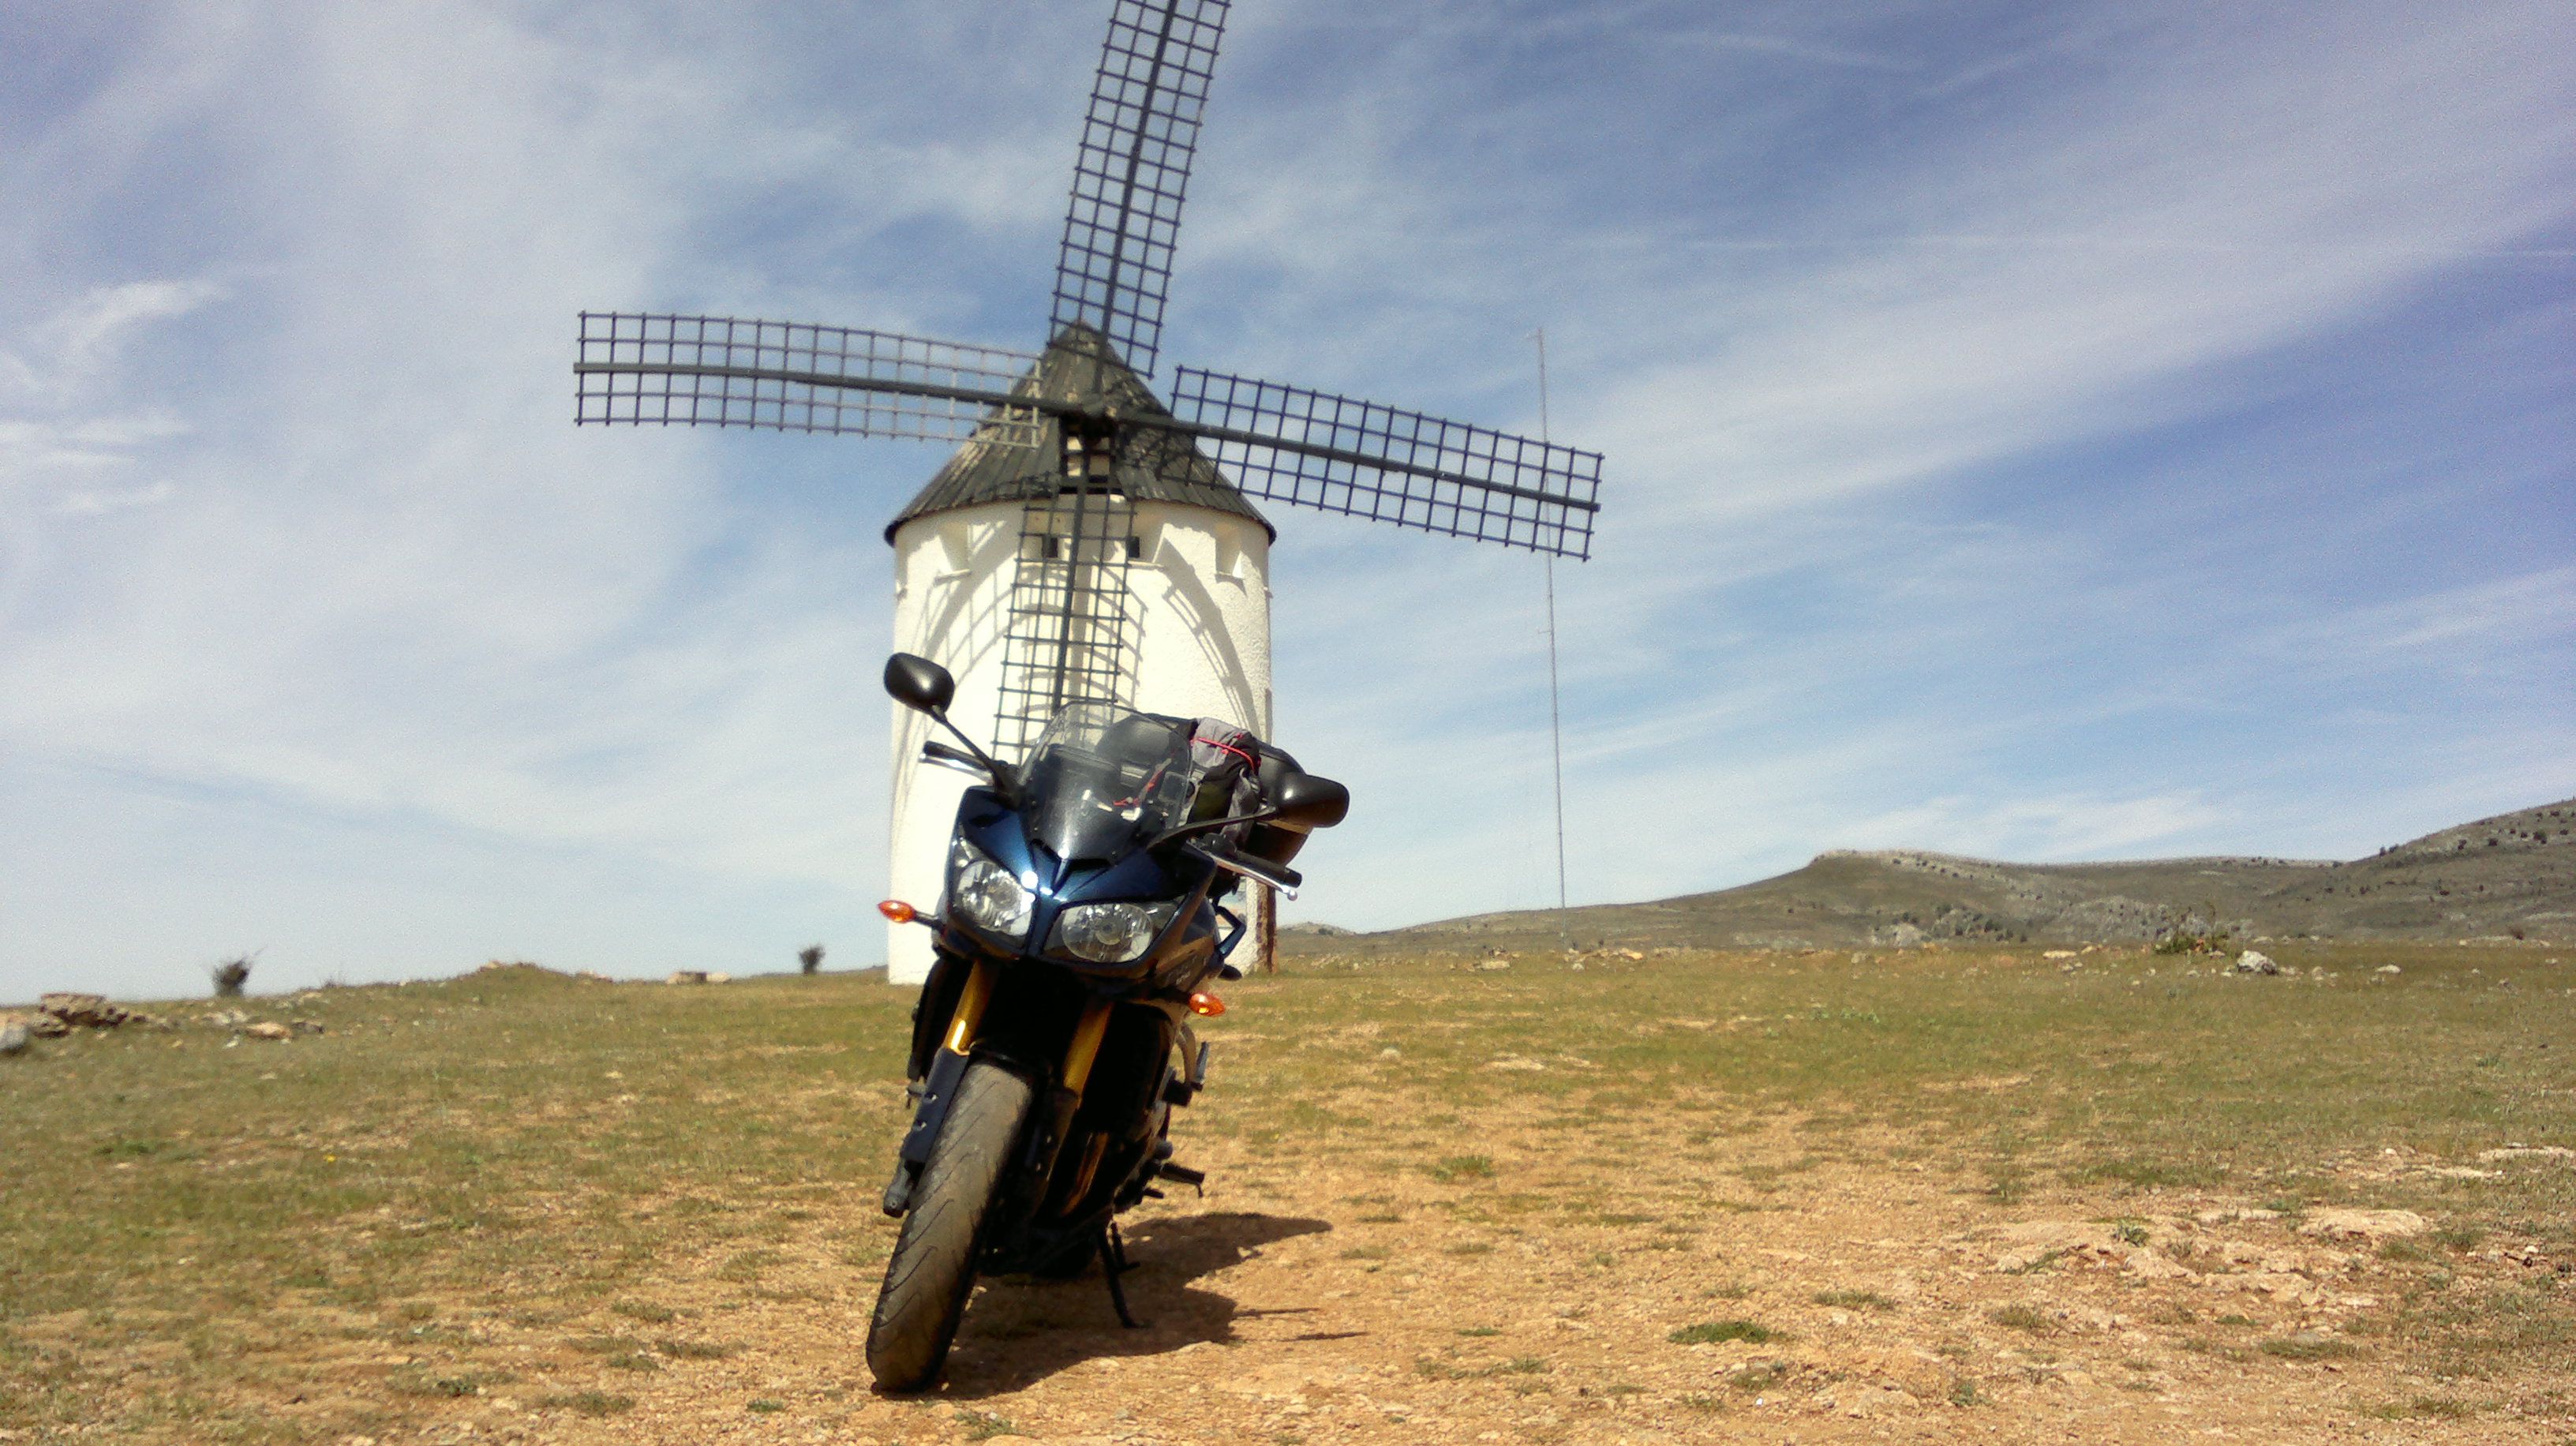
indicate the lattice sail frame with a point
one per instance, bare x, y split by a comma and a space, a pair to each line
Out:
1364, 459
1132, 171
790, 376
1276, 442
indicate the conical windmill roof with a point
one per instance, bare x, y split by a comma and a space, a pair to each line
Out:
1151, 465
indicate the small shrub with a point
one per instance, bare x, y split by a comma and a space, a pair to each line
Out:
810, 958
452, 1387
2021, 1318
231, 976
2308, 1346
1854, 1299
1463, 1167
588, 1403
984, 1425
1712, 1331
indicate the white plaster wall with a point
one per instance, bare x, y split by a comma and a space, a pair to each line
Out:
1202, 586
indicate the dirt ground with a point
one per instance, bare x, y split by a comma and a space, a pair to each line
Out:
1759, 1198
1348, 1306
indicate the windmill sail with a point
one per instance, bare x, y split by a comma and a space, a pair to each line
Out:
1364, 459
1272, 441
723, 371
1133, 171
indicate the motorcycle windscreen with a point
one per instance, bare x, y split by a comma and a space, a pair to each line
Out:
1103, 779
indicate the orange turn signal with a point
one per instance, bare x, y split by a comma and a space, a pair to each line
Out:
1204, 1003
897, 910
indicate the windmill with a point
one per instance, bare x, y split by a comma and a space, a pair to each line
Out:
1089, 539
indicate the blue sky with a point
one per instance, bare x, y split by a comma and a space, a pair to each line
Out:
2049, 432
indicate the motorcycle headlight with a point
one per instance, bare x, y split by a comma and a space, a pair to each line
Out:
984, 894
1106, 933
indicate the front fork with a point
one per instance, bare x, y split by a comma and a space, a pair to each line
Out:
938, 1088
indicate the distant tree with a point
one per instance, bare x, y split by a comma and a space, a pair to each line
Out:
231, 975
811, 956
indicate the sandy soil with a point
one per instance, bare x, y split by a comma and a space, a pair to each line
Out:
1313, 1305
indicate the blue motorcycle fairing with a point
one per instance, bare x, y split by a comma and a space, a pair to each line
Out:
1138, 877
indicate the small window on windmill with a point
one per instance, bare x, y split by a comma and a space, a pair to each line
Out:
1051, 547
957, 544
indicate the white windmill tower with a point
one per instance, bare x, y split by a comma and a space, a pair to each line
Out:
1087, 541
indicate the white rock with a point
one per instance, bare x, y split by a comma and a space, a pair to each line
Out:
2255, 962
2366, 1225
2387, 969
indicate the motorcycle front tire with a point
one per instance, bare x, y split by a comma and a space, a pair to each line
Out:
933, 1267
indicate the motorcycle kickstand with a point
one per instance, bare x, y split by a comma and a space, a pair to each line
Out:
1113, 1264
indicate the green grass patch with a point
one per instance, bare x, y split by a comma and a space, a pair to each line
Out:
2022, 1318
1712, 1331
587, 1403
1854, 1299
1461, 1167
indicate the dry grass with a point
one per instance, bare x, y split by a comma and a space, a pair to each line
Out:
516, 1192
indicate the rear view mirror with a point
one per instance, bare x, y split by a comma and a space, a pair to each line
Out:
919, 684
925, 687
1305, 801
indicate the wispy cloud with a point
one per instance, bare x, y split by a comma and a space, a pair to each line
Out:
1985, 397
1791, 49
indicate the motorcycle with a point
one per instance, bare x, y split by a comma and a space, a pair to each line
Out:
1076, 934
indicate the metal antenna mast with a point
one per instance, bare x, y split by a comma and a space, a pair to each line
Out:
1555, 720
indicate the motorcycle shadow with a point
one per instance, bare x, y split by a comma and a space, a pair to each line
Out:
1020, 1330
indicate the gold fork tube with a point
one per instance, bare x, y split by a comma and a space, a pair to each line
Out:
970, 1008
1087, 1034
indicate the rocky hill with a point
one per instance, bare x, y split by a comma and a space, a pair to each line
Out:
2511, 876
